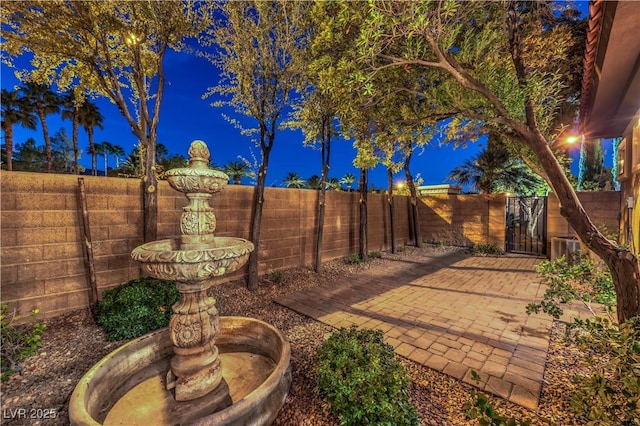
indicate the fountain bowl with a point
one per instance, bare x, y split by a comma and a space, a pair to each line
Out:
201, 180
127, 386
165, 259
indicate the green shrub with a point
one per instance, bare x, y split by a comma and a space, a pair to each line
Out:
487, 249
362, 381
354, 259
276, 277
610, 395
18, 343
137, 307
375, 255
574, 278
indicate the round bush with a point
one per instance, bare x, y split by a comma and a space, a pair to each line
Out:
363, 382
137, 307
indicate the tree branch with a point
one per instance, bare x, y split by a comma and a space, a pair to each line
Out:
395, 61
516, 57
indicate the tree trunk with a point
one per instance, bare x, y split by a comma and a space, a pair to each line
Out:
623, 264
74, 138
47, 141
258, 204
150, 202
414, 201
626, 279
94, 154
8, 137
325, 152
391, 215
363, 247
317, 264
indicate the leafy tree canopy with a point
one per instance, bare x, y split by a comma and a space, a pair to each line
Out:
424, 49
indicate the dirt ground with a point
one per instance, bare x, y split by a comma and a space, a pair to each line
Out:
72, 344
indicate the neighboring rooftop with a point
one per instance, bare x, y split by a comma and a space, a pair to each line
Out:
439, 189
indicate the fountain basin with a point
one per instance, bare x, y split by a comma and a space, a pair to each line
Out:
166, 260
127, 386
202, 180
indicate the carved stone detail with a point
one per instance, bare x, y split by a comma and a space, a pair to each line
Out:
186, 181
187, 327
199, 151
197, 223
193, 261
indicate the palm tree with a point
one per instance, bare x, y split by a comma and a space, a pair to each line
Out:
71, 111
333, 183
117, 151
104, 148
237, 170
14, 111
132, 165
44, 102
293, 180
348, 180
314, 182
494, 170
90, 118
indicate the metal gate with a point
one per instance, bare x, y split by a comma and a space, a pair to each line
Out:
526, 225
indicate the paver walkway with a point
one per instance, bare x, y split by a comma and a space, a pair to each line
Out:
450, 312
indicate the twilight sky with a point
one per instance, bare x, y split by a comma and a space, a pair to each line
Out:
185, 116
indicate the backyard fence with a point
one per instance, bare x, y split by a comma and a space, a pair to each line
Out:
43, 258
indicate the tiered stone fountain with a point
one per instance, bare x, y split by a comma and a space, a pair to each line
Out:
203, 369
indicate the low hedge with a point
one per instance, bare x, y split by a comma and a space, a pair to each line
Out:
137, 307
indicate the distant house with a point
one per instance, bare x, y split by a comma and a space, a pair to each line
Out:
610, 103
438, 189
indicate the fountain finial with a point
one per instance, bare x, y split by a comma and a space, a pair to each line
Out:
199, 155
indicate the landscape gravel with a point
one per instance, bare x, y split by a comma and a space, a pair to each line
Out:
72, 344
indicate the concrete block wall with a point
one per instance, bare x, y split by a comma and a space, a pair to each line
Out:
463, 220
603, 208
289, 222
43, 258
42, 254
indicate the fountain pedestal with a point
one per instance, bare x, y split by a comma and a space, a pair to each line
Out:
194, 325
195, 368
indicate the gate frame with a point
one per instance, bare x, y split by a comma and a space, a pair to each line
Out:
544, 214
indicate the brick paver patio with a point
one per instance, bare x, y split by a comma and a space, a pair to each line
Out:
450, 312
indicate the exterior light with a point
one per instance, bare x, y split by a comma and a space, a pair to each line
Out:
132, 39
566, 141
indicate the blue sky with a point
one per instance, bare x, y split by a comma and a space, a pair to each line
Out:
185, 116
